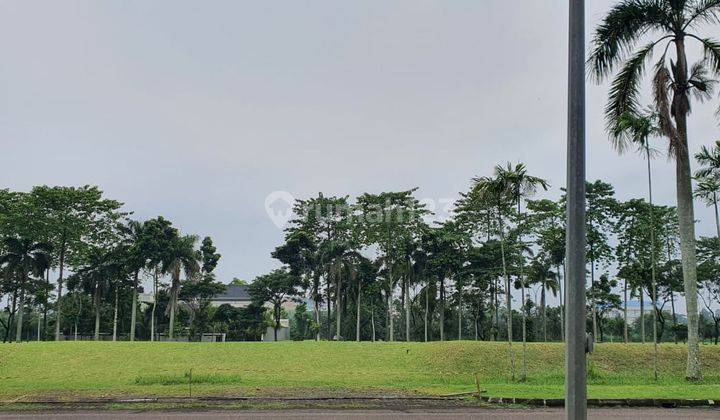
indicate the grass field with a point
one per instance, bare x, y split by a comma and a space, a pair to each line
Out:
72, 369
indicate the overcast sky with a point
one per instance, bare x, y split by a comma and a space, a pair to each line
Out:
197, 110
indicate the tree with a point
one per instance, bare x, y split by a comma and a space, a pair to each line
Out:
637, 130
548, 225
101, 267
616, 36
604, 298
601, 212
23, 258
709, 277
71, 215
319, 223
392, 221
276, 288
519, 186
179, 256
708, 177
137, 254
159, 237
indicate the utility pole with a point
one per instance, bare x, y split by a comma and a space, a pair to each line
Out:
576, 338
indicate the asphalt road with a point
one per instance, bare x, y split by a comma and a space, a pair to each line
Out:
434, 414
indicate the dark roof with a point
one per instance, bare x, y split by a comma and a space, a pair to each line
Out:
233, 292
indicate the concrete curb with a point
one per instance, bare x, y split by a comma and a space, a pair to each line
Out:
600, 402
535, 402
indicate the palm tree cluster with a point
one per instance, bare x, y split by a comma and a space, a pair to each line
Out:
76, 230
488, 271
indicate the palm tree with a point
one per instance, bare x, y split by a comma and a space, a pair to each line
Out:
707, 189
22, 258
100, 269
708, 177
670, 22
137, 258
540, 273
515, 185
637, 129
180, 256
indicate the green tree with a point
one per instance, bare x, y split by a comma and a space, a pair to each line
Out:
276, 288
70, 216
179, 256
21, 259
670, 22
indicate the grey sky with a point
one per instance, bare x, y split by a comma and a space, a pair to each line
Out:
196, 110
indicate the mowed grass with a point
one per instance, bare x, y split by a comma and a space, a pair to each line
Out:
89, 369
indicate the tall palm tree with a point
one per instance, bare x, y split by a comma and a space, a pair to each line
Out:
669, 22
100, 270
137, 258
514, 183
707, 189
637, 129
181, 256
23, 257
708, 177
540, 273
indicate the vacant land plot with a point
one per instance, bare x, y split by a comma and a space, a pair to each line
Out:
72, 369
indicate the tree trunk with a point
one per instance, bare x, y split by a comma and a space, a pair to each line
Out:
277, 322
20, 310
442, 307
11, 318
407, 309
329, 314
592, 302
389, 323
316, 303
425, 316
686, 216
508, 300
96, 337
133, 314
372, 321
496, 307
460, 314
642, 315
652, 265
338, 314
674, 317
625, 317
562, 302
357, 319
58, 309
174, 289
115, 316
45, 306
317, 318
542, 309
152, 314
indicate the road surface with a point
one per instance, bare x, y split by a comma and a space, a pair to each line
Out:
380, 414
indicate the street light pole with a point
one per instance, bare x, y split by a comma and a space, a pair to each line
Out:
576, 341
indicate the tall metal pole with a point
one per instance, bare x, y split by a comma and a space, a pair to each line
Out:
575, 362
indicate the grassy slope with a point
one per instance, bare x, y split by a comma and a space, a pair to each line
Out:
95, 369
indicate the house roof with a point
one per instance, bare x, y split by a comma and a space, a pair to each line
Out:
233, 292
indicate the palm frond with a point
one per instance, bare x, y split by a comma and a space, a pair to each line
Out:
705, 11
622, 27
624, 90
702, 86
661, 94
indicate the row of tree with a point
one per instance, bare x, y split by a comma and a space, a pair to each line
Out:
370, 263
77, 231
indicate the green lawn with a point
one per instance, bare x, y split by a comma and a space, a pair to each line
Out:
71, 369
